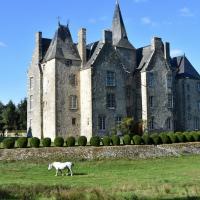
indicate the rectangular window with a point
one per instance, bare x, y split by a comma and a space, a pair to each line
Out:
110, 78
72, 80
170, 101
31, 83
151, 123
151, 80
73, 102
73, 121
169, 81
102, 123
151, 101
118, 120
31, 102
111, 100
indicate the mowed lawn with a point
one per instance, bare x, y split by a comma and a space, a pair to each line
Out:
160, 178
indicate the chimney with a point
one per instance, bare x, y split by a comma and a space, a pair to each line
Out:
107, 36
156, 43
167, 51
82, 45
38, 46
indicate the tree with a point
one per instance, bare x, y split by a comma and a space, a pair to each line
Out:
126, 126
9, 116
22, 115
1, 119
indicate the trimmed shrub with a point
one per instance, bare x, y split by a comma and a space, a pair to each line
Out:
173, 137
155, 138
146, 139
106, 141
8, 143
22, 142
164, 138
137, 140
46, 142
189, 136
35, 142
82, 141
59, 142
70, 142
95, 141
115, 140
181, 137
127, 140
196, 136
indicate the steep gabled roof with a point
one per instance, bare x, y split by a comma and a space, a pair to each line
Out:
62, 46
120, 37
185, 68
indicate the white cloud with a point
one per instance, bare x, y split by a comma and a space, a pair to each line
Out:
97, 20
176, 52
147, 21
2, 44
186, 12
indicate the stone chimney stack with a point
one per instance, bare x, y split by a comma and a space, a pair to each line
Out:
107, 36
156, 43
82, 45
38, 46
167, 51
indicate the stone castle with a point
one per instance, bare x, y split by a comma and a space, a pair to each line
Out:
86, 89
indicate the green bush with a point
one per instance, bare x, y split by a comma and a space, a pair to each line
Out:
82, 141
196, 136
70, 142
59, 142
173, 137
155, 138
115, 140
189, 136
35, 142
9, 143
164, 138
181, 137
46, 142
106, 141
137, 139
127, 139
146, 139
22, 142
95, 141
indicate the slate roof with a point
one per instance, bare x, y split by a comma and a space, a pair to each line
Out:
185, 68
90, 48
62, 46
45, 45
120, 37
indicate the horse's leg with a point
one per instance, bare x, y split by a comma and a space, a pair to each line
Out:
56, 172
71, 171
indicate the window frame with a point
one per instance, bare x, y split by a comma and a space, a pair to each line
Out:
110, 79
101, 123
110, 101
73, 104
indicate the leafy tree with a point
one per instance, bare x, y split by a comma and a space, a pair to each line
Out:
22, 115
126, 126
1, 119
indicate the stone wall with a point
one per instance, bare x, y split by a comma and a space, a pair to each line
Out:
89, 153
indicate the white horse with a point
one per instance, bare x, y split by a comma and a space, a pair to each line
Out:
61, 166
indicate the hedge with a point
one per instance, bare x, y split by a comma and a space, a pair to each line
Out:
95, 141
106, 141
46, 142
155, 138
8, 143
164, 138
127, 139
22, 142
137, 140
146, 139
115, 140
59, 142
70, 142
34, 142
82, 141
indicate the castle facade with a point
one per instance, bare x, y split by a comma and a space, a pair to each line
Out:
87, 89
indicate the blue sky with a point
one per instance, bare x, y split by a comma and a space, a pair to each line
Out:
176, 21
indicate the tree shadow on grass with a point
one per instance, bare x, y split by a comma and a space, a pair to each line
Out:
79, 174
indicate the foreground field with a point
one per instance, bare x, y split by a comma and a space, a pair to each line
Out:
166, 178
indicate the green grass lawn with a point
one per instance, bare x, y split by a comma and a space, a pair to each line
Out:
164, 178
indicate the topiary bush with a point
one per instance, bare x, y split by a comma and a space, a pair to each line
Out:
115, 140
34, 142
59, 142
196, 136
127, 140
9, 143
189, 136
70, 142
137, 140
95, 141
155, 138
146, 139
106, 141
82, 141
181, 137
46, 142
164, 138
22, 142
173, 137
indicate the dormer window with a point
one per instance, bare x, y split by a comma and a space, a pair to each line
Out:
68, 63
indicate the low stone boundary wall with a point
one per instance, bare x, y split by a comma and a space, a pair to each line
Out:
90, 153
